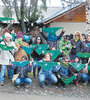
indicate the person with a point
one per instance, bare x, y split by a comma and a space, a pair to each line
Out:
86, 48
52, 38
6, 56
62, 71
77, 45
23, 76
36, 56
19, 43
46, 74
65, 45
72, 71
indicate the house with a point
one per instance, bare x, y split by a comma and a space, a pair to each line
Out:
72, 19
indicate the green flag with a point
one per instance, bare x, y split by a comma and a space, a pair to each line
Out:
46, 65
51, 30
78, 66
5, 19
88, 44
4, 47
28, 49
40, 48
89, 68
83, 55
54, 53
68, 80
20, 63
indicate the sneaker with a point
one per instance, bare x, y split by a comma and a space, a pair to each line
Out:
18, 86
85, 83
42, 86
1, 83
26, 86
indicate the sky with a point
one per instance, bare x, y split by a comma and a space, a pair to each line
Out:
54, 3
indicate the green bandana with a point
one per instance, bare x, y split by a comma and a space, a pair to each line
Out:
18, 41
51, 30
46, 65
68, 80
20, 63
64, 65
28, 49
83, 55
7, 48
54, 53
40, 48
78, 66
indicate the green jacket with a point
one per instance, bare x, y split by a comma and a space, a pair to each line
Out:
63, 46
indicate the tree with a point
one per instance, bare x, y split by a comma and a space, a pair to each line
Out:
70, 3
27, 11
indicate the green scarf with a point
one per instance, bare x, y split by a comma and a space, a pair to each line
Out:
18, 41
64, 65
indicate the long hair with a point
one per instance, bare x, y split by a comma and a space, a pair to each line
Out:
78, 33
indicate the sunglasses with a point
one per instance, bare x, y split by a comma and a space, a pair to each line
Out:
77, 35
66, 61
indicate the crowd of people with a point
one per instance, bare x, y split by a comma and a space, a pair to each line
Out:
68, 45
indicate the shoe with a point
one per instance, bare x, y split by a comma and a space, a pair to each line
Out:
18, 86
62, 88
77, 83
85, 83
1, 83
26, 86
42, 86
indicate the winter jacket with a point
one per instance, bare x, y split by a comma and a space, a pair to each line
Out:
64, 48
6, 56
78, 44
24, 72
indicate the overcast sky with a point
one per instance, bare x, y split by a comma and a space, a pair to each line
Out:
54, 3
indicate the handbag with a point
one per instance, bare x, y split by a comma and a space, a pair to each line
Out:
16, 76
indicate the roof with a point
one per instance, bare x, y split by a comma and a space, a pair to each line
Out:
60, 13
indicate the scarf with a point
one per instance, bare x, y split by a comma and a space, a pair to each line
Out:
64, 65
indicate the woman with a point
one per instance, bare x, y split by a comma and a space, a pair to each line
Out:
35, 55
6, 56
52, 38
46, 74
77, 45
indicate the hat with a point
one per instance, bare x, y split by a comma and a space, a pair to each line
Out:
19, 35
8, 35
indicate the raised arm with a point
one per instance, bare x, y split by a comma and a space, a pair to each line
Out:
60, 35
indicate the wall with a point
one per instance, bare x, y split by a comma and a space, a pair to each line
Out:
70, 27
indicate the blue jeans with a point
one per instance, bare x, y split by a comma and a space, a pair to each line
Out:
2, 74
18, 81
43, 77
85, 77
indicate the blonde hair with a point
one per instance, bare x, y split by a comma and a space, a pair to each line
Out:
78, 33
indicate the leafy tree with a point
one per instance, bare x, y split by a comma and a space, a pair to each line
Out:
27, 11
